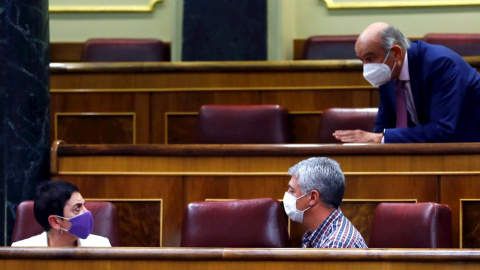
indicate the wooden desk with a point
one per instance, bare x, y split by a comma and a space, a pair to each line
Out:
224, 258
156, 103
152, 184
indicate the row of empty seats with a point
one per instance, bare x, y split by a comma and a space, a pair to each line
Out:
262, 223
316, 47
343, 47
255, 124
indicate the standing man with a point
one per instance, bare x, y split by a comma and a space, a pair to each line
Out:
314, 195
428, 93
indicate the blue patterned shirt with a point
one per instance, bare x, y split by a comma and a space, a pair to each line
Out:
335, 232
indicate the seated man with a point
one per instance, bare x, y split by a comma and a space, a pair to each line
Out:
314, 194
428, 93
60, 209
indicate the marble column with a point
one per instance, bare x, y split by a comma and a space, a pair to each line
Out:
24, 97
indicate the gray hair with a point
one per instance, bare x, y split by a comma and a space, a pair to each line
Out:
392, 36
323, 175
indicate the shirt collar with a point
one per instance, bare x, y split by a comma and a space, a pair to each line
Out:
310, 237
404, 75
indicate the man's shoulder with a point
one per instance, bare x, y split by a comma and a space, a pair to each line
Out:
39, 240
95, 241
432, 52
345, 235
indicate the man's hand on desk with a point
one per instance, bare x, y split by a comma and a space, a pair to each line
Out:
357, 136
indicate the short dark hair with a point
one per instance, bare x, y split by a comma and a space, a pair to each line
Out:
50, 200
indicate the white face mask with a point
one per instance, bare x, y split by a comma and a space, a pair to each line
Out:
378, 73
290, 206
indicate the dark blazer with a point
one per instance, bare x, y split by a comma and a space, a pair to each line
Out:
446, 93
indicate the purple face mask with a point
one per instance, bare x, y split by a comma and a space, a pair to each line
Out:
82, 225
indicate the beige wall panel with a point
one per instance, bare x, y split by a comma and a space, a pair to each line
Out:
80, 26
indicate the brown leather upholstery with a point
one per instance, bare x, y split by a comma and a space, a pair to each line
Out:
345, 119
463, 44
411, 225
330, 47
104, 217
225, 124
259, 223
123, 50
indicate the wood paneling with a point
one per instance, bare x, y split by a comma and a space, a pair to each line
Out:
139, 223
83, 128
78, 103
360, 213
182, 127
455, 188
180, 174
470, 223
191, 102
139, 190
154, 90
66, 51
305, 127
298, 48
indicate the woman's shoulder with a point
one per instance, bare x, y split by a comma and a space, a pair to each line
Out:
39, 240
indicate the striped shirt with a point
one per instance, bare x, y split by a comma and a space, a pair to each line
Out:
335, 232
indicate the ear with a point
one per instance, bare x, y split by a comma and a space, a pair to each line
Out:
54, 222
397, 52
314, 198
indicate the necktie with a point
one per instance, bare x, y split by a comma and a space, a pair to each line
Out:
401, 104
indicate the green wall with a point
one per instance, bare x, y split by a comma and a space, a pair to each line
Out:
79, 26
313, 18
288, 20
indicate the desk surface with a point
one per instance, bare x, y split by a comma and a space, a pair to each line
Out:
220, 258
268, 149
374, 173
227, 66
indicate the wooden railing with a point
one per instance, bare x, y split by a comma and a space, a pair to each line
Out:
225, 258
163, 179
157, 103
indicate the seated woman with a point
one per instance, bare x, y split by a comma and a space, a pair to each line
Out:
60, 209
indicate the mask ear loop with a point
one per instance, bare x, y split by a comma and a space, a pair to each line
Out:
394, 63
388, 55
62, 229
309, 206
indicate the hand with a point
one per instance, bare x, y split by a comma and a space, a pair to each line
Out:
357, 136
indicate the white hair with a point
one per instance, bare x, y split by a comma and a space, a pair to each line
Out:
323, 175
392, 36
